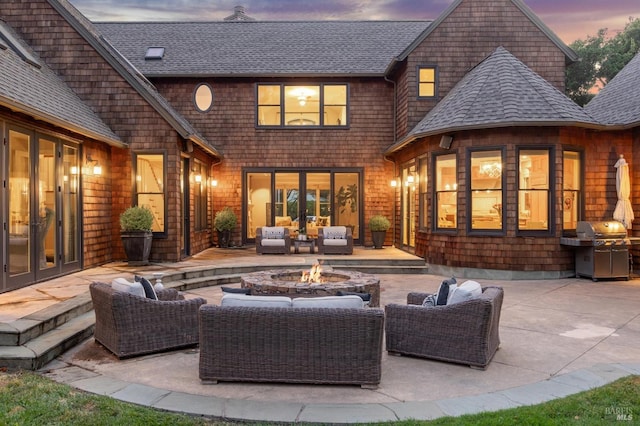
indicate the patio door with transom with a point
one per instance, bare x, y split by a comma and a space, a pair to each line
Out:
302, 201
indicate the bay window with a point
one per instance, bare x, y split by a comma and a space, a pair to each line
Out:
486, 177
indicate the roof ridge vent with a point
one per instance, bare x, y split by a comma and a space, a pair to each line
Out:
239, 15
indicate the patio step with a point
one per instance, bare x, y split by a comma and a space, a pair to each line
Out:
41, 350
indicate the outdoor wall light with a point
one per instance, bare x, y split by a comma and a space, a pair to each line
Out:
97, 169
198, 178
214, 182
394, 183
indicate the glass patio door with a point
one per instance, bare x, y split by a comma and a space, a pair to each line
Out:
409, 206
306, 200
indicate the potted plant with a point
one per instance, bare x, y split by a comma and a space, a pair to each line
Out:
136, 235
379, 225
224, 222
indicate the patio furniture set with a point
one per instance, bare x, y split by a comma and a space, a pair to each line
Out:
278, 239
322, 340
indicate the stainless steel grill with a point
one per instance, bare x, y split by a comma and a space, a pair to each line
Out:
602, 250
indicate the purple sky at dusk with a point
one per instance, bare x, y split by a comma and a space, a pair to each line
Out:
569, 19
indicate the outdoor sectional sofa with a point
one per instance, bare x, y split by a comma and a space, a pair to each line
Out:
281, 341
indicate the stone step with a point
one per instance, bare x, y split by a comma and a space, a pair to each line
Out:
43, 349
23, 330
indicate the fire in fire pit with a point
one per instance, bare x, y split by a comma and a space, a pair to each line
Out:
314, 275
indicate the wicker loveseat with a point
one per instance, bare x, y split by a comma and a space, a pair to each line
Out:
335, 240
291, 344
465, 332
273, 240
129, 325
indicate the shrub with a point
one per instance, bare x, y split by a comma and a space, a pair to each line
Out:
136, 219
225, 220
379, 223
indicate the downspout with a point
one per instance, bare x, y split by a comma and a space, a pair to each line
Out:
395, 137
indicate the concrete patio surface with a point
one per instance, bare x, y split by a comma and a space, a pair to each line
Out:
558, 337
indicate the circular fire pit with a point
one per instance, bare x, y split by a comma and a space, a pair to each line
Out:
288, 283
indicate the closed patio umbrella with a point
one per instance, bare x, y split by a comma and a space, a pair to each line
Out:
623, 212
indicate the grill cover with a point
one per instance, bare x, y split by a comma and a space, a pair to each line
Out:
610, 229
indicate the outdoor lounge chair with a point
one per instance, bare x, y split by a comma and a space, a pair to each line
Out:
464, 333
335, 240
128, 325
273, 240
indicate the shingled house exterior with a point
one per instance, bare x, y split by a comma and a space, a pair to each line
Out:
300, 124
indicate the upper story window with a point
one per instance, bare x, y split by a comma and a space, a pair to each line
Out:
203, 97
487, 195
322, 105
534, 189
446, 185
427, 82
571, 190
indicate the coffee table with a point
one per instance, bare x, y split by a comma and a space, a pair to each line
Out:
309, 242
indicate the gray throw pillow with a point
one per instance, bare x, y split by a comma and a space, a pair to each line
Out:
444, 291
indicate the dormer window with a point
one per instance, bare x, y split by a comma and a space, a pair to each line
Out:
154, 53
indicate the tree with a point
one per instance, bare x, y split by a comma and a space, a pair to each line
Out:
601, 58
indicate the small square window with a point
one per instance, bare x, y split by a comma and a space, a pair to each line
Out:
154, 53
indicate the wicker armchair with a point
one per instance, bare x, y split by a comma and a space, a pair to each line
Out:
464, 333
291, 345
333, 245
271, 245
129, 325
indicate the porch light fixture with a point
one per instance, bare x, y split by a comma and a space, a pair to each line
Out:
214, 182
394, 183
198, 178
97, 169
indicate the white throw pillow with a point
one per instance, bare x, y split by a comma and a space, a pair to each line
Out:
328, 302
233, 299
468, 290
121, 284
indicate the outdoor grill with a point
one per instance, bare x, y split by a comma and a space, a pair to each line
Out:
602, 250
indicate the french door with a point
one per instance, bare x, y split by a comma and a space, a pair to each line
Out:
41, 208
302, 201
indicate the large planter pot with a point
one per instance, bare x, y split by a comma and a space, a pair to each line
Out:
224, 238
137, 246
378, 238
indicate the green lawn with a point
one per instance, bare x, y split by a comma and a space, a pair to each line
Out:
27, 398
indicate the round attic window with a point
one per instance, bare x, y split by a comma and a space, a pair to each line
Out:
203, 97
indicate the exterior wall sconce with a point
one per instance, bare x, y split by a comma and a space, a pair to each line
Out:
214, 182
394, 183
198, 178
97, 169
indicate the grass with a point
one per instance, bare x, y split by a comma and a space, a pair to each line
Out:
27, 398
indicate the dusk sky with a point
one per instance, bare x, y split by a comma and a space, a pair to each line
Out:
569, 19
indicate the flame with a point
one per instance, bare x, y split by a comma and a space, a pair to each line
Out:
313, 276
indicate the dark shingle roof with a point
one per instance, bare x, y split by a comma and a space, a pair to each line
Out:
501, 91
39, 92
132, 75
261, 48
618, 103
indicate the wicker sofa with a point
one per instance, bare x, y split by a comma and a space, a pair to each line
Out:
464, 333
129, 325
273, 240
335, 240
292, 345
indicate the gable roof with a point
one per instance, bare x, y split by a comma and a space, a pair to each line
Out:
35, 90
133, 76
501, 91
570, 55
617, 104
263, 48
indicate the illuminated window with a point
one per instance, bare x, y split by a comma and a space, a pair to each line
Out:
571, 190
486, 190
203, 97
200, 179
322, 105
424, 196
446, 185
150, 187
533, 189
427, 82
